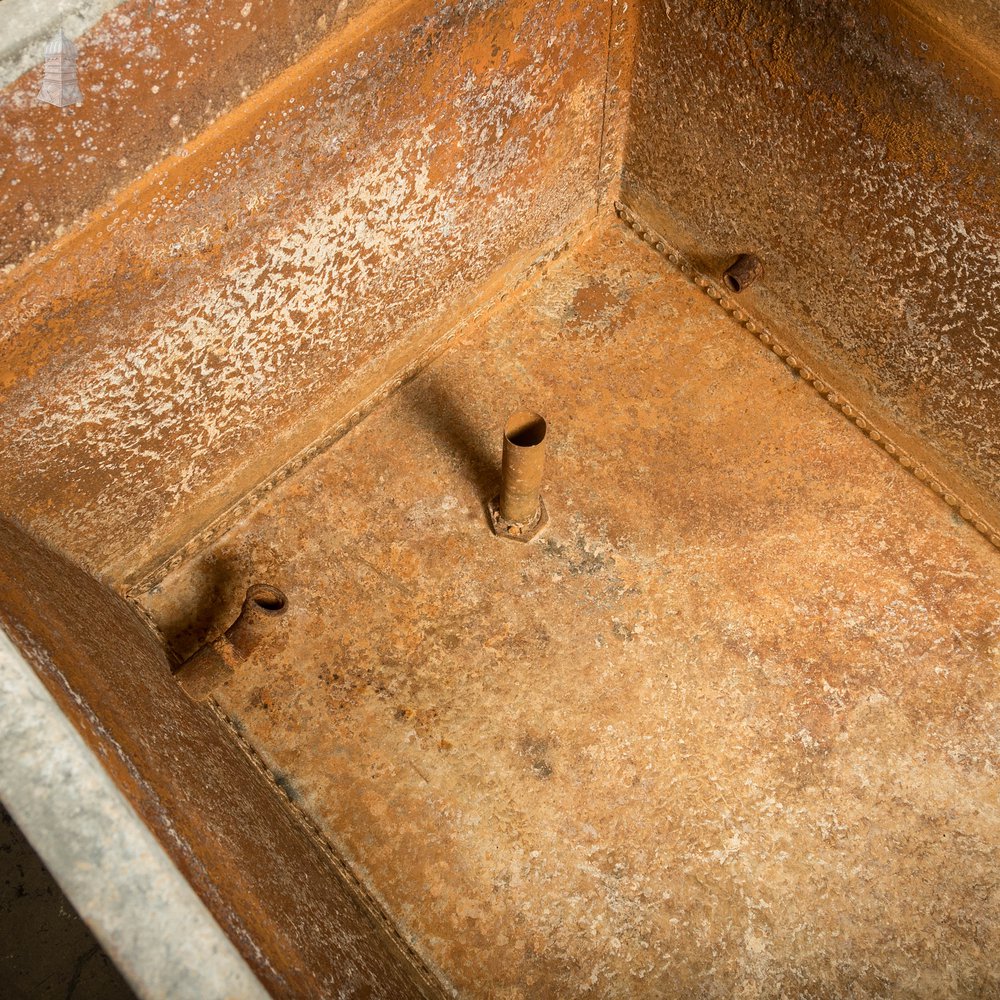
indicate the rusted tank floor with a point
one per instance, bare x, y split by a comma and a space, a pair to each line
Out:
728, 730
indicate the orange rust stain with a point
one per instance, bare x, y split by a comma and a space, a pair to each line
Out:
597, 311
737, 702
291, 247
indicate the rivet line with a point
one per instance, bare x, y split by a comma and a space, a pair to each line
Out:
860, 420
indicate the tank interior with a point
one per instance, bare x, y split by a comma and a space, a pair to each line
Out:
729, 724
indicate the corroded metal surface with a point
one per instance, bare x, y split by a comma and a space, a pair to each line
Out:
153, 73
299, 920
728, 730
248, 293
854, 147
873, 427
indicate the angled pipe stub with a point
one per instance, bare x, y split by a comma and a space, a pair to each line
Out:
216, 662
743, 272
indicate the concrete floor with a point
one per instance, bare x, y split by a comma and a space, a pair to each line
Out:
46, 951
729, 729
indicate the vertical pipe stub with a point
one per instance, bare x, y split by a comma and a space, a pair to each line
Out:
743, 272
519, 511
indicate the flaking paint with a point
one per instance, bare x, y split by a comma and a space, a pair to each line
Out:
211, 323
853, 147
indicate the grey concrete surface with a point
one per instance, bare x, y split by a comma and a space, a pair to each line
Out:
46, 951
104, 858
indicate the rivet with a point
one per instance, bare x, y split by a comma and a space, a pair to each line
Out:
751, 326
793, 361
950, 500
672, 257
965, 513
905, 462
862, 424
921, 474
890, 449
765, 338
847, 410
701, 282
875, 436
936, 487
726, 304
740, 316
659, 247
821, 387
980, 526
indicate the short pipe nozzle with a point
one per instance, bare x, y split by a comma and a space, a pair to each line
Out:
523, 466
214, 663
743, 272
262, 602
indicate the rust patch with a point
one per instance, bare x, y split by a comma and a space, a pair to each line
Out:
853, 147
729, 729
152, 75
596, 312
249, 292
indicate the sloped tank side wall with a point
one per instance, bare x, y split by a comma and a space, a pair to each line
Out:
853, 146
247, 294
299, 921
152, 74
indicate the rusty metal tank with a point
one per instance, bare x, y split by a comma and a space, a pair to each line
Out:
295, 300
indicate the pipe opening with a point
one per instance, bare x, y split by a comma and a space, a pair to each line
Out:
525, 429
267, 598
743, 272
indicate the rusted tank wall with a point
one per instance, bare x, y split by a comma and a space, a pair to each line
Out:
854, 147
152, 73
246, 293
972, 26
304, 927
